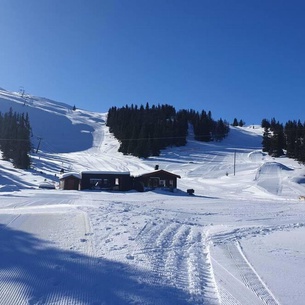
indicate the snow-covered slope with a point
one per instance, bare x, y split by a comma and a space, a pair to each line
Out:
239, 240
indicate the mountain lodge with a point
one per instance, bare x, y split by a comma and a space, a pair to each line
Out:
117, 181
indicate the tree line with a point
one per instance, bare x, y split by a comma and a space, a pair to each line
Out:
206, 129
15, 134
239, 123
145, 131
289, 138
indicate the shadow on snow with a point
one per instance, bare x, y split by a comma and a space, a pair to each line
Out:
33, 271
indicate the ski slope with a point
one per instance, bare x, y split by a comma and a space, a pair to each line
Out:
239, 240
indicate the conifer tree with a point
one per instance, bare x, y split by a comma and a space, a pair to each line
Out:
15, 133
235, 122
241, 123
277, 141
145, 131
291, 139
266, 142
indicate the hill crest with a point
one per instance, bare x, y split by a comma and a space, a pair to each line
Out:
79, 140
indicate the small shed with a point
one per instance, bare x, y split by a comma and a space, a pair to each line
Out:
106, 180
70, 181
158, 179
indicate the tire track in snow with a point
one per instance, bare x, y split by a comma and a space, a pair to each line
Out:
179, 257
236, 278
253, 279
201, 276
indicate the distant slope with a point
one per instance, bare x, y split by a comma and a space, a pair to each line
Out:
51, 121
80, 140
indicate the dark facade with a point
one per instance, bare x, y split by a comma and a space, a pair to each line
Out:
158, 179
118, 181
95, 180
69, 182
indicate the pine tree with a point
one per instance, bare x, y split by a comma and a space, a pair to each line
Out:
15, 132
235, 122
241, 123
265, 123
291, 139
266, 143
277, 143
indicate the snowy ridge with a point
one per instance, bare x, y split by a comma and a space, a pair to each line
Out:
227, 245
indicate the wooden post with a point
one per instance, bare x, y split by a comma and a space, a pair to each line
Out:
38, 145
234, 161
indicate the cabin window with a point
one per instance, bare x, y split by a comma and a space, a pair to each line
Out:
153, 182
117, 181
171, 183
162, 183
95, 181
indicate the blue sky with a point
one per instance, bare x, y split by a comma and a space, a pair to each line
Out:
238, 58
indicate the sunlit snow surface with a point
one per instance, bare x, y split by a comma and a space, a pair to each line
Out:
239, 240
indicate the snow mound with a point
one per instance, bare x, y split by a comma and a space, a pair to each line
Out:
272, 168
257, 156
269, 176
47, 185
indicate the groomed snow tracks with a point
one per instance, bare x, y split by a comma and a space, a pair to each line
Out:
183, 256
237, 280
178, 255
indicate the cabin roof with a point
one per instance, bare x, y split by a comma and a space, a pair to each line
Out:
161, 171
65, 175
104, 173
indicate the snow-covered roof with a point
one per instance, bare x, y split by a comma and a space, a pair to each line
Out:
105, 173
65, 175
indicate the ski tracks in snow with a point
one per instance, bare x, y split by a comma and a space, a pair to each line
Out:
178, 255
237, 280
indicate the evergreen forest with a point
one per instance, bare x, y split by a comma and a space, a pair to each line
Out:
145, 131
15, 133
289, 138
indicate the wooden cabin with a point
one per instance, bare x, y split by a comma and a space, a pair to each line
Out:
105, 180
69, 181
158, 179
117, 181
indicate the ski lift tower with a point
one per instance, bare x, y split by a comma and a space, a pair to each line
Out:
21, 91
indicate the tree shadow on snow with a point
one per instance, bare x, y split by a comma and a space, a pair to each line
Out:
10, 182
33, 271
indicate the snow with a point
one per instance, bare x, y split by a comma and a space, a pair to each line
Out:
238, 240
65, 175
107, 172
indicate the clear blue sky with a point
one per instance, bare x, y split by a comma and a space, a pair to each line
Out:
236, 58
